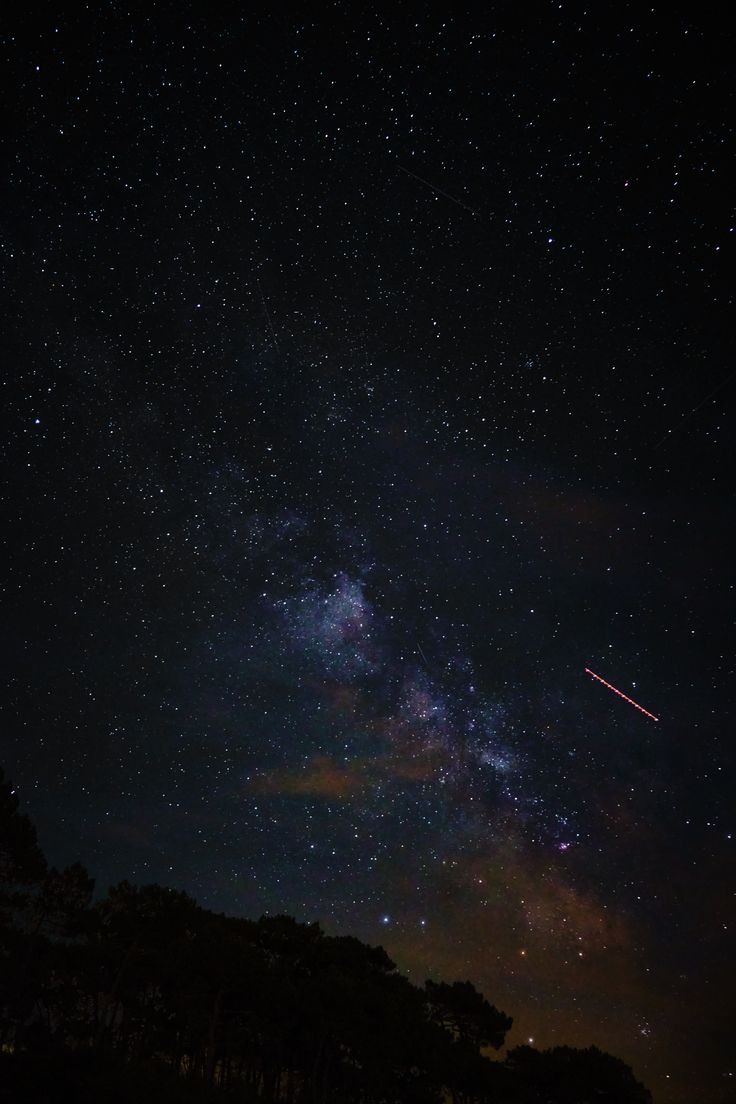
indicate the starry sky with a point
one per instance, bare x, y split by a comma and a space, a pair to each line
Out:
368, 377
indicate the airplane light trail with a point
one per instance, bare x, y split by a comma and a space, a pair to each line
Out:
620, 694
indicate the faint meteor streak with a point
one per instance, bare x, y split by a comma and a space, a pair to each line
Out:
268, 319
620, 694
695, 409
439, 191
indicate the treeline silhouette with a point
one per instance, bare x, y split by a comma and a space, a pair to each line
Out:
142, 995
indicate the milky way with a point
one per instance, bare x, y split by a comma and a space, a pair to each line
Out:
355, 404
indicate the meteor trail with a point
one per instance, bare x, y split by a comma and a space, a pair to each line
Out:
620, 694
695, 409
439, 191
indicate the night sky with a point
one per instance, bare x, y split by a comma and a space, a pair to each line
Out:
368, 376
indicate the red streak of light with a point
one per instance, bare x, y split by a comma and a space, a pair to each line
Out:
629, 700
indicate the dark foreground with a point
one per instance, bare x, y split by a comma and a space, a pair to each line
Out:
141, 995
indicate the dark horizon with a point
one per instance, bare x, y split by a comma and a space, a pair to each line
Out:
142, 994
370, 382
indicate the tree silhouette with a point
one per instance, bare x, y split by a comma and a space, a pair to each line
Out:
22, 863
467, 1014
142, 995
570, 1076
62, 902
